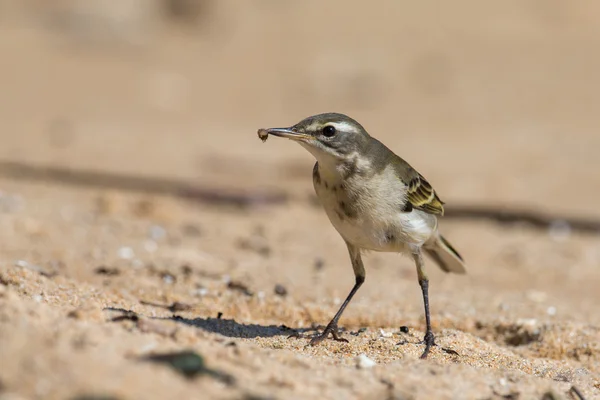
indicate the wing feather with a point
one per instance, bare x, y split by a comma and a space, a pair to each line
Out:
422, 196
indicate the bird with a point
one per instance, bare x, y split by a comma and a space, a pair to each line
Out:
375, 200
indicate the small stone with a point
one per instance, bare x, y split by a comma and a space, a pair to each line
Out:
189, 364
126, 253
200, 292
104, 270
551, 311
319, 263
385, 334
241, 287
404, 329
364, 362
280, 290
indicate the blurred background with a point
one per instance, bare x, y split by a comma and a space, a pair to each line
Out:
494, 103
497, 104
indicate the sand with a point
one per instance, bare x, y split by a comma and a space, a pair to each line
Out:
494, 105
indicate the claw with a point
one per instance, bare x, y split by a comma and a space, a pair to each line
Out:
333, 329
429, 341
294, 335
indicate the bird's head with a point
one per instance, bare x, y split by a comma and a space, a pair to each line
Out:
329, 137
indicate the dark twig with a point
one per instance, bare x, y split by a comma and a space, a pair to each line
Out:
577, 393
21, 171
240, 198
512, 216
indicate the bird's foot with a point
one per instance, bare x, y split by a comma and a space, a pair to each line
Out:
429, 341
294, 335
331, 328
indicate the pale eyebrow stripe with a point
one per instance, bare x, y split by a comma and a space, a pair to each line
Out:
343, 126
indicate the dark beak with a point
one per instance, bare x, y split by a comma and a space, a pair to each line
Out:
285, 133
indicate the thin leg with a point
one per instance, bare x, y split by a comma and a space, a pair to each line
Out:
424, 283
359, 273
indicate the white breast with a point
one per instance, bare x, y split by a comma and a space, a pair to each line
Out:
369, 215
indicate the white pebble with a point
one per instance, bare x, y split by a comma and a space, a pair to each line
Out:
385, 334
364, 362
199, 292
527, 322
126, 253
551, 310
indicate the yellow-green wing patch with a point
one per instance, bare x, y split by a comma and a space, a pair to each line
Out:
422, 196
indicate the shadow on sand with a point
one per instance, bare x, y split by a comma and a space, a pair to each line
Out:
233, 329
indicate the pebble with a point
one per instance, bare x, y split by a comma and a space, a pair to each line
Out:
126, 253
319, 263
280, 290
364, 362
200, 292
385, 334
551, 311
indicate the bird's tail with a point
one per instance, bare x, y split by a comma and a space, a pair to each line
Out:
445, 255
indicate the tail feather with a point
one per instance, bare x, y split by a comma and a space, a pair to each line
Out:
447, 258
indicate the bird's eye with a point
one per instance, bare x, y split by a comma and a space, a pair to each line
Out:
328, 131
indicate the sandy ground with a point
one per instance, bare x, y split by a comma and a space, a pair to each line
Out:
495, 105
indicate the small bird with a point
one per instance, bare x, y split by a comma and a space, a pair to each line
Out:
375, 200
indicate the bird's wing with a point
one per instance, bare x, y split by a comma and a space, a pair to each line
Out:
422, 196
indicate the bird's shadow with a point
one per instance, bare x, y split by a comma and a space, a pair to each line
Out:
225, 327
231, 328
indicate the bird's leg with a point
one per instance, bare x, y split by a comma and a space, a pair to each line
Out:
359, 273
424, 283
